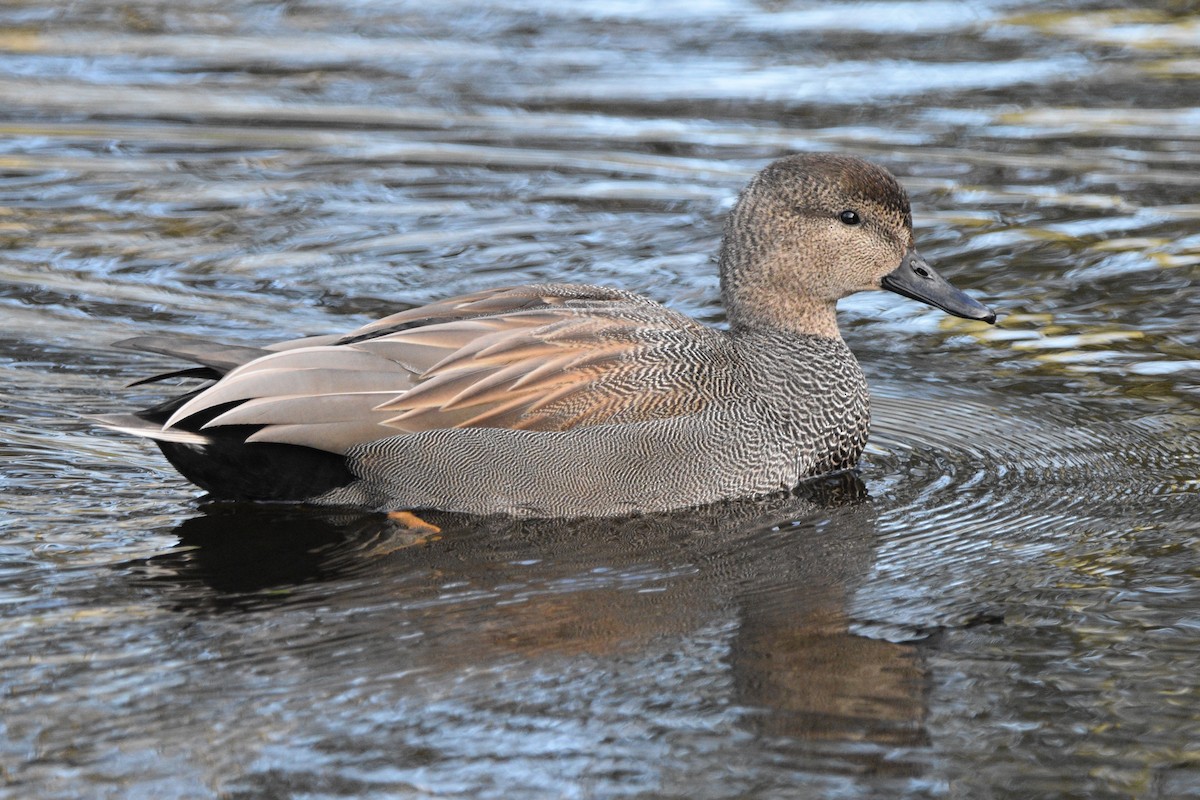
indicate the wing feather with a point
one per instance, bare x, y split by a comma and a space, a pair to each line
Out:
538, 357
342, 407
334, 437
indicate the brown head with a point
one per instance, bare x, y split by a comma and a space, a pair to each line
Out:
809, 230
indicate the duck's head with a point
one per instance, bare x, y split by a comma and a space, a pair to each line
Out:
809, 230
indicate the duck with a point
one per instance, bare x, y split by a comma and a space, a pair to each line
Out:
561, 400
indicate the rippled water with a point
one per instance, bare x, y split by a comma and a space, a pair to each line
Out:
1004, 606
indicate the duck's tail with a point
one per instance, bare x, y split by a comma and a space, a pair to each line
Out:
220, 460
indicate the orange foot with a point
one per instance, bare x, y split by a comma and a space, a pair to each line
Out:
415, 532
413, 522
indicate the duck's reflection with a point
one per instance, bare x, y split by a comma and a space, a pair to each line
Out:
796, 660
784, 568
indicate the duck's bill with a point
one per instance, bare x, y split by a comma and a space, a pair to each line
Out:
916, 279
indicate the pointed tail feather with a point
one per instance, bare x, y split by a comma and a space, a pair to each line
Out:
135, 425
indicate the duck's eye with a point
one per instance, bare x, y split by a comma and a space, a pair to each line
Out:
849, 217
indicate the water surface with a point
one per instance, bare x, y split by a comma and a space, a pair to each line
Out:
1001, 604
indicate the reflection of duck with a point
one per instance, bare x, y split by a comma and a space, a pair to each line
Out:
570, 400
260, 550
771, 579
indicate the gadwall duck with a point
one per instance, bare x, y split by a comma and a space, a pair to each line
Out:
566, 400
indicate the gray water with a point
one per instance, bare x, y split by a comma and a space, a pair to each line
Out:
1004, 603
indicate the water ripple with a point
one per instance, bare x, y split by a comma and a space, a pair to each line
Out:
254, 171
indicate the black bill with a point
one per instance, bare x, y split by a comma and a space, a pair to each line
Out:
916, 279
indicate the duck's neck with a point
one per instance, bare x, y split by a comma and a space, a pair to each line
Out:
794, 315
756, 299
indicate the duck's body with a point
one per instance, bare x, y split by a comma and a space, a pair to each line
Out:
569, 400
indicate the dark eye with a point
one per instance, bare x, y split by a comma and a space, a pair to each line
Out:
849, 217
